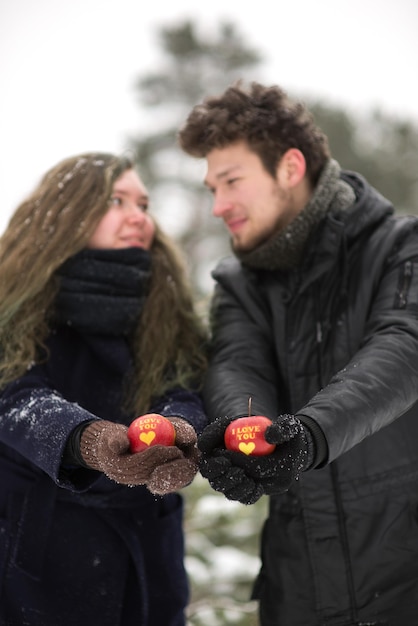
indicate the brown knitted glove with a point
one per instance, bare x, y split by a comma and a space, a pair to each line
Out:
104, 446
173, 475
186, 437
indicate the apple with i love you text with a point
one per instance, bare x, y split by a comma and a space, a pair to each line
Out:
149, 430
246, 435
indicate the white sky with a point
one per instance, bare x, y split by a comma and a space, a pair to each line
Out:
68, 67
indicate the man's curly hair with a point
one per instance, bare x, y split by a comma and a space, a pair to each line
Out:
265, 118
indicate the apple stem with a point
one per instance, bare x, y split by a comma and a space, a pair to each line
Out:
249, 406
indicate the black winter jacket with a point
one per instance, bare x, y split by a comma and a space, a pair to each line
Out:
335, 341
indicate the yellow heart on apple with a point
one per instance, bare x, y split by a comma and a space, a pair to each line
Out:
148, 437
246, 448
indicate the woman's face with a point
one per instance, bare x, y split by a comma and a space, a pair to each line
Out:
126, 223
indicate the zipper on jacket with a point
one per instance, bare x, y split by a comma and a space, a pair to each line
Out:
334, 475
404, 283
319, 352
319, 338
344, 542
318, 332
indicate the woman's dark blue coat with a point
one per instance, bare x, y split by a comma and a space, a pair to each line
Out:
76, 548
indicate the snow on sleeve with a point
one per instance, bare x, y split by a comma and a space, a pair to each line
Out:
37, 423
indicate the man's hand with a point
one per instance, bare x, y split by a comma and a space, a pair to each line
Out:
245, 478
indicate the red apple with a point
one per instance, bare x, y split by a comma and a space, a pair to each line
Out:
150, 429
246, 435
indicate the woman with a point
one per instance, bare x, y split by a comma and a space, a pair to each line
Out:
96, 327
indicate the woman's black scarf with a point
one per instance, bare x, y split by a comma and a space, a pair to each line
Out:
103, 291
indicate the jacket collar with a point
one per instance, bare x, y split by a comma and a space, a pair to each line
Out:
341, 228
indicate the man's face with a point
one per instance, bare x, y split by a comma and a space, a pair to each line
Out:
251, 202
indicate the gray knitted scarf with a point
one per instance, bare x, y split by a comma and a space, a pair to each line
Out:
285, 249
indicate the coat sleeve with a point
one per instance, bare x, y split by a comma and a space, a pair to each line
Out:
380, 382
36, 421
242, 356
183, 403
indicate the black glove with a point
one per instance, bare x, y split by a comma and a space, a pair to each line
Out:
247, 478
104, 446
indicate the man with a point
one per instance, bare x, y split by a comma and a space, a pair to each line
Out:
315, 327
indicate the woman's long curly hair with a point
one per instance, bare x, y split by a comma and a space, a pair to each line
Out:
55, 222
